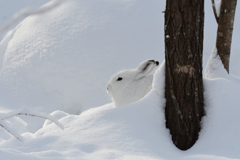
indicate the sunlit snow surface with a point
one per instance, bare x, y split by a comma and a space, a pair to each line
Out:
60, 62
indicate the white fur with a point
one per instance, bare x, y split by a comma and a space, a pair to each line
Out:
134, 85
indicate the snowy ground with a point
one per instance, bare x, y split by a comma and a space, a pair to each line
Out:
60, 63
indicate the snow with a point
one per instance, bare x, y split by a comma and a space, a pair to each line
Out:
65, 60
218, 7
29, 12
60, 62
26, 112
215, 67
9, 8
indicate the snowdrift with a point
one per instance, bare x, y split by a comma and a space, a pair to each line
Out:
62, 60
137, 131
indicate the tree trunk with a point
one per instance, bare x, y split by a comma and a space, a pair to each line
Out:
184, 21
225, 29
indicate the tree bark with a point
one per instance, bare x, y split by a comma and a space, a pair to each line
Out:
184, 20
225, 29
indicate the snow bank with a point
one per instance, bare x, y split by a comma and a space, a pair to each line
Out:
62, 60
215, 68
132, 132
220, 130
137, 131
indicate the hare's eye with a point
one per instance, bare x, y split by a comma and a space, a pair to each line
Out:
119, 78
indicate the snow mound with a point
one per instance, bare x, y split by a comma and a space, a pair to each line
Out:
137, 131
62, 60
215, 68
130, 132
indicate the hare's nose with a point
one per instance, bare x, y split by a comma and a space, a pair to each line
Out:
109, 88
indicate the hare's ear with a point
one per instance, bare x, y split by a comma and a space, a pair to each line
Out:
146, 68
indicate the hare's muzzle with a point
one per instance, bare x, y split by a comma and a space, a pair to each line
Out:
109, 88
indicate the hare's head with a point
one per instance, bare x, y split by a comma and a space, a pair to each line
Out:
130, 85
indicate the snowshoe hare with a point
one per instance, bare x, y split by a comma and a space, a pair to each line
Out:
130, 85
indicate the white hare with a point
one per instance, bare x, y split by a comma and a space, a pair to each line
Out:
130, 85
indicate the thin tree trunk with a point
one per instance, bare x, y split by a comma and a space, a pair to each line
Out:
225, 29
184, 21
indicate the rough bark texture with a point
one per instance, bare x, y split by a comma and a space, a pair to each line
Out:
225, 29
184, 21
